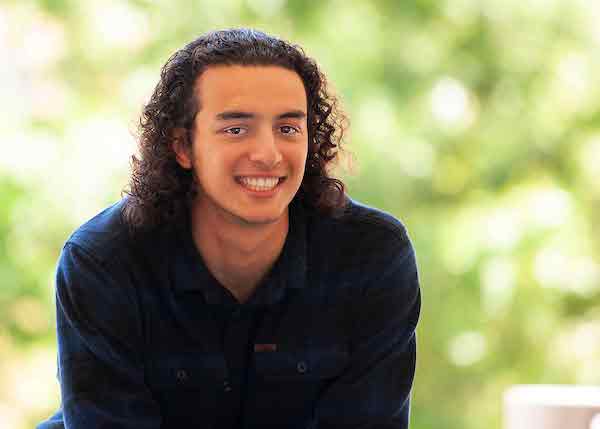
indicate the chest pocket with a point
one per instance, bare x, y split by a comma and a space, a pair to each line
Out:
187, 386
291, 381
308, 363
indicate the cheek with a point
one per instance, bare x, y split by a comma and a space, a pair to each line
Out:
297, 166
299, 155
214, 160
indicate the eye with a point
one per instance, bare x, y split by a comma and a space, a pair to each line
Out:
234, 130
289, 130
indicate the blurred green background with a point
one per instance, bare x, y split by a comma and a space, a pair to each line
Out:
477, 123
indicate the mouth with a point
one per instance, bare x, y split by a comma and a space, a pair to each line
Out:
259, 185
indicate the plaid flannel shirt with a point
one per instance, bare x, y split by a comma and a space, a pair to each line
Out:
147, 338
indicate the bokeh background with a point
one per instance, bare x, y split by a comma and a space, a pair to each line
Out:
477, 123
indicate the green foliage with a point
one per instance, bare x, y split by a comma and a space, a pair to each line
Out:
474, 122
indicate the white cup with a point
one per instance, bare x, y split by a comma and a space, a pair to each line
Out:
595, 423
552, 407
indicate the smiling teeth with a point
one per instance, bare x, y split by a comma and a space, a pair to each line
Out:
259, 184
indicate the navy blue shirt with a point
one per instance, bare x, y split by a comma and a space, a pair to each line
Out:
148, 338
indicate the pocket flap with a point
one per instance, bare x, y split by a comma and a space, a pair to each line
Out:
188, 371
310, 362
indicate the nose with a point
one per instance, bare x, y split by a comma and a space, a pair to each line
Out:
264, 151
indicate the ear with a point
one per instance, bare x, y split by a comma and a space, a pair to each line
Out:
181, 149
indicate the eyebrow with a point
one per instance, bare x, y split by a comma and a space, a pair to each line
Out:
234, 114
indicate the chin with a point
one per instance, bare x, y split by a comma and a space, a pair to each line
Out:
260, 218
257, 220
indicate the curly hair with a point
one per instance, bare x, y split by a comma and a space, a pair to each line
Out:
160, 191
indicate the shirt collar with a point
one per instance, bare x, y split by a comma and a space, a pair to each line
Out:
190, 274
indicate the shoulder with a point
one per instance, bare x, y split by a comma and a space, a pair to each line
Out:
101, 262
106, 237
361, 243
359, 218
103, 234
90, 260
359, 225
95, 287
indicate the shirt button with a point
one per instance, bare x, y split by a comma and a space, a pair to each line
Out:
181, 375
226, 386
301, 367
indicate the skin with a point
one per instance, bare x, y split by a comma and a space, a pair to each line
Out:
239, 235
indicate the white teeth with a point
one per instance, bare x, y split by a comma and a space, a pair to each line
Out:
259, 183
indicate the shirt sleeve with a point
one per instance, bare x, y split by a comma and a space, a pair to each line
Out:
374, 389
100, 368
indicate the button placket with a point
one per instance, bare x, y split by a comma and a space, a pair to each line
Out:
236, 313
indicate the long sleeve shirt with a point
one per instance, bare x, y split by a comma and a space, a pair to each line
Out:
149, 339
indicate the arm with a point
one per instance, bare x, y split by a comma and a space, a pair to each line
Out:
100, 368
374, 390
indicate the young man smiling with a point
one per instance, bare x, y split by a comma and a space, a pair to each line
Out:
237, 285
249, 149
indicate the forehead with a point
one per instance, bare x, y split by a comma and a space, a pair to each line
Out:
256, 88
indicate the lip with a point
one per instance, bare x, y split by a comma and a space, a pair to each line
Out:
262, 194
257, 176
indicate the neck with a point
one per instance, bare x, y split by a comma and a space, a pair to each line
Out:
239, 255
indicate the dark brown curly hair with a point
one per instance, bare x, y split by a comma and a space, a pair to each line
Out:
160, 191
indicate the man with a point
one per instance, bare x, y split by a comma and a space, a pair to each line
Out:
236, 285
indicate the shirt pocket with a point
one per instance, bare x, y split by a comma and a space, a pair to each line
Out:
188, 386
290, 382
307, 363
